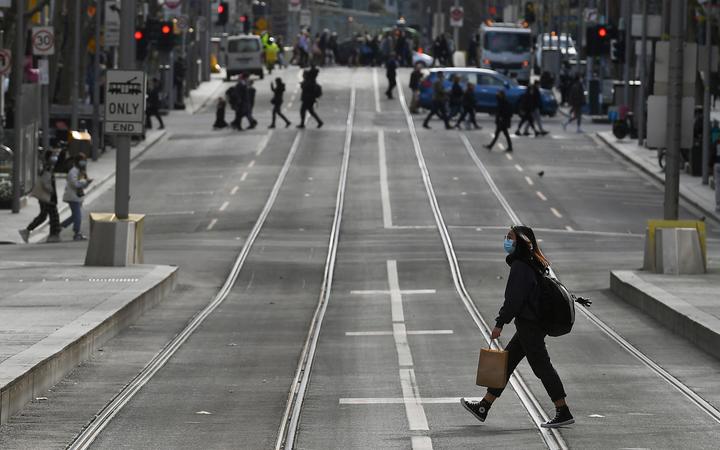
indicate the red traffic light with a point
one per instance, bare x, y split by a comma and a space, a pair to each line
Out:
138, 35
165, 29
221, 8
243, 19
602, 32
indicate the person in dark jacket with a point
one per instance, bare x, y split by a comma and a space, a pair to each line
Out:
415, 79
308, 96
46, 193
278, 90
456, 97
220, 114
503, 115
391, 73
536, 105
525, 113
152, 109
439, 98
526, 262
468, 104
576, 99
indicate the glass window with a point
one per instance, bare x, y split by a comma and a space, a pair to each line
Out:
243, 45
489, 80
496, 41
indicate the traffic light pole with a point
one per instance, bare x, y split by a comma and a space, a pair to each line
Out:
706, 100
674, 111
127, 62
17, 74
628, 51
74, 88
643, 78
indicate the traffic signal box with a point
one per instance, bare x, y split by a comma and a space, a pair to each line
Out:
141, 45
617, 51
597, 39
223, 13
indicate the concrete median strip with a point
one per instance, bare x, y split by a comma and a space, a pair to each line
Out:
682, 317
89, 308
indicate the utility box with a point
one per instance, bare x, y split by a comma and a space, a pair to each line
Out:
675, 247
115, 242
657, 121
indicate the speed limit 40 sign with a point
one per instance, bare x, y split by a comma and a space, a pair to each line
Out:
43, 41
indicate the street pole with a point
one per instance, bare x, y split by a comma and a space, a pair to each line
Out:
643, 77
74, 91
628, 51
456, 32
706, 99
45, 96
127, 62
18, 60
674, 111
96, 83
205, 43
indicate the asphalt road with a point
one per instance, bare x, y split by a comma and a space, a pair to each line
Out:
397, 344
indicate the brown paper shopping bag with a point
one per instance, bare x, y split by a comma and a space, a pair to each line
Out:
492, 368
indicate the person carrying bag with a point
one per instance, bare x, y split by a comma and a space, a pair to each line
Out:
527, 264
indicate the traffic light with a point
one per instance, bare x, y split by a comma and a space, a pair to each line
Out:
166, 37
597, 39
223, 13
245, 21
141, 45
530, 13
617, 50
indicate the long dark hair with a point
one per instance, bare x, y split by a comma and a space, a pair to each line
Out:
527, 248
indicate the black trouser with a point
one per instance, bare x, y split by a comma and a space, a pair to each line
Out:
391, 86
153, 112
308, 107
276, 112
499, 128
467, 112
438, 109
526, 118
529, 342
47, 210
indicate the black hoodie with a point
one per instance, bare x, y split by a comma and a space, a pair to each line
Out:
519, 298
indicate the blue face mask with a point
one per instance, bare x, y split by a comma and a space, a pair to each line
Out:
509, 245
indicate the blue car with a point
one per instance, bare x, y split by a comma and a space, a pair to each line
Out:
487, 84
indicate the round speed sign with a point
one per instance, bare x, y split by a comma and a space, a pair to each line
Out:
43, 41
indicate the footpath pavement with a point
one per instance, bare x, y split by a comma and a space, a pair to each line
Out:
686, 304
57, 312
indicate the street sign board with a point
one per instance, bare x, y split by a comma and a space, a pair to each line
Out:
183, 22
294, 5
305, 18
456, 16
125, 102
172, 4
44, 69
5, 3
5, 61
111, 26
43, 41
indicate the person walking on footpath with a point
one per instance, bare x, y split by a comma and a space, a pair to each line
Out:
46, 193
310, 91
503, 116
439, 98
456, 97
526, 260
278, 90
250, 101
152, 109
525, 113
74, 195
391, 73
220, 114
535, 105
415, 78
468, 104
576, 99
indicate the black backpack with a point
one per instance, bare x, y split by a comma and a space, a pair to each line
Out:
556, 305
318, 90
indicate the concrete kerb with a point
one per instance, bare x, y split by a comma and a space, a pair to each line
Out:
33, 371
194, 106
659, 176
682, 318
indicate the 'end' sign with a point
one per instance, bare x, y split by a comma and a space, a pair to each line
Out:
125, 102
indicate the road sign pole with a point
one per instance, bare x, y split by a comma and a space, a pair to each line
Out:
45, 96
74, 88
706, 98
96, 82
18, 106
127, 62
456, 31
674, 112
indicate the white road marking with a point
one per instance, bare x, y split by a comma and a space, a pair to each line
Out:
384, 189
556, 212
390, 333
395, 296
206, 176
569, 228
224, 206
518, 167
234, 190
376, 90
399, 400
307, 194
263, 143
405, 292
191, 193
172, 213
212, 224
529, 181
244, 175
413, 407
401, 345
290, 103
252, 163
509, 156
463, 193
501, 145
541, 196
421, 443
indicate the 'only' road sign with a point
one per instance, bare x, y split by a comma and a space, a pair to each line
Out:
125, 102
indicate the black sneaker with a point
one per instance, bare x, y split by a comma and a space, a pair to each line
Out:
562, 417
478, 409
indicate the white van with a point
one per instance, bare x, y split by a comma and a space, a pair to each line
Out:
506, 48
243, 53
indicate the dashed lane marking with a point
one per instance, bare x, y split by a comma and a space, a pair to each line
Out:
518, 167
376, 91
541, 196
556, 212
403, 292
234, 190
224, 206
529, 181
569, 228
411, 396
384, 188
263, 143
390, 333
182, 194
172, 213
421, 443
501, 146
252, 163
399, 400
212, 224
509, 156
243, 176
